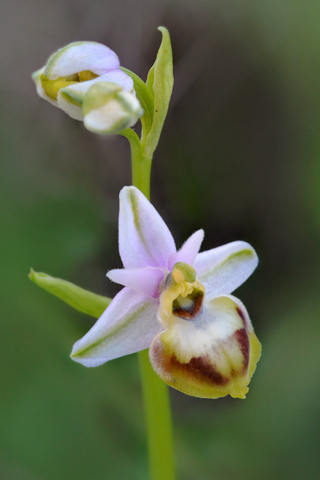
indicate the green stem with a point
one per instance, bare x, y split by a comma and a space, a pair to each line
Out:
159, 425
155, 392
141, 165
141, 170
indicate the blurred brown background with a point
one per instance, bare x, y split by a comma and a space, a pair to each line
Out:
240, 157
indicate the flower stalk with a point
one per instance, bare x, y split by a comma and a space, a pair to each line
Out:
155, 392
156, 402
156, 398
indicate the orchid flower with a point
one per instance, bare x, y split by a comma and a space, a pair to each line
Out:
73, 70
177, 304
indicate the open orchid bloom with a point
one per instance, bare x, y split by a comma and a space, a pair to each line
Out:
71, 71
178, 303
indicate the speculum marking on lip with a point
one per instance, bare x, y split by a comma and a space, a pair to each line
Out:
188, 307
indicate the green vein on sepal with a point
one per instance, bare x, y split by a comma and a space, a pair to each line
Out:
77, 297
102, 342
233, 259
72, 97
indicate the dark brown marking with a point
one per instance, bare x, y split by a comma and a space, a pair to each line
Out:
188, 313
201, 366
242, 316
242, 338
198, 368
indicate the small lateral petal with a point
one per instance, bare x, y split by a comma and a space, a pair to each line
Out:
188, 251
127, 326
144, 238
223, 269
143, 280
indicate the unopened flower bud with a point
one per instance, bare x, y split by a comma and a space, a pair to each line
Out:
71, 71
108, 109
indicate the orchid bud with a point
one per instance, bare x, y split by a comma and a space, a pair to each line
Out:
71, 71
108, 109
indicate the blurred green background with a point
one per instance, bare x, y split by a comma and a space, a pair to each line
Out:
240, 157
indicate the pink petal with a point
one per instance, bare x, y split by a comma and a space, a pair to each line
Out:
143, 280
188, 251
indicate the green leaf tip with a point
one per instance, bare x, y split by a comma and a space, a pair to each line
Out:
154, 95
77, 297
160, 83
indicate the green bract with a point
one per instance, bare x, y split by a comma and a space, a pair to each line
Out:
78, 298
160, 82
155, 94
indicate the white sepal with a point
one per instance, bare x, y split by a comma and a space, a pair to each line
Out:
81, 56
127, 326
225, 268
144, 238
